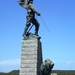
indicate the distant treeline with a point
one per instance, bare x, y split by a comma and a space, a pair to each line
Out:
14, 72
64, 72
59, 72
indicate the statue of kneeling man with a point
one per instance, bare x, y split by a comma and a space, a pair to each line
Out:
46, 67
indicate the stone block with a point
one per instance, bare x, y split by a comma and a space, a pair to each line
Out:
31, 56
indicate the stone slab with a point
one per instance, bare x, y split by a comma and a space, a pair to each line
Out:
31, 57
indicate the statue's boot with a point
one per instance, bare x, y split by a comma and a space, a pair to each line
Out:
25, 31
36, 30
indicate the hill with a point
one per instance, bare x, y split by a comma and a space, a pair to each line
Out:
59, 72
14, 72
64, 72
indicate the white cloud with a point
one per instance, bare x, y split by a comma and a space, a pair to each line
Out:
65, 62
10, 62
64, 65
70, 62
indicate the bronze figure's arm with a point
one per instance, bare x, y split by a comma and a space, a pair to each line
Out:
34, 9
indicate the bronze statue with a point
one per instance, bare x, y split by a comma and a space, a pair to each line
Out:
46, 67
28, 5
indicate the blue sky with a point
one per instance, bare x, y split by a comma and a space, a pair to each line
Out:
58, 44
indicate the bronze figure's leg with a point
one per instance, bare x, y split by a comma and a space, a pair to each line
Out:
29, 19
36, 23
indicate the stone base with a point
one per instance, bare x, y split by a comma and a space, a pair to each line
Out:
31, 56
53, 73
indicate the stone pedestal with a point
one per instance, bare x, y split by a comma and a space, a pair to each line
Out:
31, 56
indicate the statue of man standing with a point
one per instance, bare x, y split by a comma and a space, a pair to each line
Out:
31, 17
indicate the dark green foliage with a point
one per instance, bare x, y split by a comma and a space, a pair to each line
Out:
59, 72
14, 72
64, 72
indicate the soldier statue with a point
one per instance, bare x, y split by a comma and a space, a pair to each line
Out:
28, 5
46, 67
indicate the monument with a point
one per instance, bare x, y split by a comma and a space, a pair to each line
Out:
31, 54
